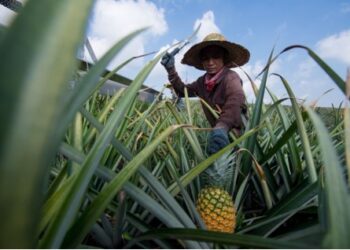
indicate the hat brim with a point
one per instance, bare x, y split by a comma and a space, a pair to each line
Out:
237, 54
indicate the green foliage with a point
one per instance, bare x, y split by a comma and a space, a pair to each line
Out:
35, 68
111, 171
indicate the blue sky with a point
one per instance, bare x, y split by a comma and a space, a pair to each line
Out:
259, 25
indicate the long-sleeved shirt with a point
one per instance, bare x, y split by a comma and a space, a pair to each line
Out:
227, 94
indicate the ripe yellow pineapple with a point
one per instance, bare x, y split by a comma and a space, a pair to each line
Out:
214, 203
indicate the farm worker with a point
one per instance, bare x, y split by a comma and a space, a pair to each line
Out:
220, 87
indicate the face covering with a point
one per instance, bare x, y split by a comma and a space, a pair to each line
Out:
210, 82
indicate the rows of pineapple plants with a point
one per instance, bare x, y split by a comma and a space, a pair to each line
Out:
91, 170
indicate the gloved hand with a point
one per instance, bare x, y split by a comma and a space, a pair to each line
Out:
218, 139
168, 60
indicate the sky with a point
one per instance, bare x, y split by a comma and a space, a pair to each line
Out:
259, 25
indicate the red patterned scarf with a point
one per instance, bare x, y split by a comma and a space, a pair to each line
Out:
210, 82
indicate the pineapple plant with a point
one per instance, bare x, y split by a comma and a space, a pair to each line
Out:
215, 204
325, 202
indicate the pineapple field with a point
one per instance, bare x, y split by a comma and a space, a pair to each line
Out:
84, 170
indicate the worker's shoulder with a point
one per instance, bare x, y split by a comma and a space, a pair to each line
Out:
232, 75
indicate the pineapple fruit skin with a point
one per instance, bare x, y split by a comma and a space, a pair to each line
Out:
217, 210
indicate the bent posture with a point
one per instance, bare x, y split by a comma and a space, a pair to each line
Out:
220, 87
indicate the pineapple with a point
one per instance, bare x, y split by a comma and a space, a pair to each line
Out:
214, 203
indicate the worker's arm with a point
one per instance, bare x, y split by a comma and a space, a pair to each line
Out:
168, 62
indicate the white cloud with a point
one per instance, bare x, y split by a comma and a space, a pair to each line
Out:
336, 46
306, 69
307, 80
6, 16
114, 19
208, 25
253, 70
111, 20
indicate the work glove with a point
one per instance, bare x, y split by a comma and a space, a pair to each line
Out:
218, 139
168, 61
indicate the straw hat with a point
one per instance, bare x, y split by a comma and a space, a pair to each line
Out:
237, 54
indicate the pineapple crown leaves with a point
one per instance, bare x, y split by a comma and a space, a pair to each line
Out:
220, 173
